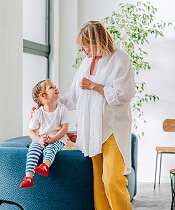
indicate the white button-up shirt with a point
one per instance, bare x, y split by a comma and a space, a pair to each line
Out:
99, 116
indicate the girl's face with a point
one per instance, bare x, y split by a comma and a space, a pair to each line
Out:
51, 91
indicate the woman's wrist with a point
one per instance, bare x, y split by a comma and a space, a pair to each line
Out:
97, 87
92, 86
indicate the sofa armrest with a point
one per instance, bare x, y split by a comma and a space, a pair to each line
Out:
22, 141
134, 151
134, 159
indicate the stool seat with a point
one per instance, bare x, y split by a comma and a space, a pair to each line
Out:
172, 171
165, 149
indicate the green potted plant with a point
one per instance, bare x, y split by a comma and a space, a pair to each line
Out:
131, 27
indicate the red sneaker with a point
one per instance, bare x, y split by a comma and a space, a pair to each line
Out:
42, 169
27, 182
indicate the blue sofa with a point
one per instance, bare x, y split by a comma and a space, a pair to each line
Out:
69, 185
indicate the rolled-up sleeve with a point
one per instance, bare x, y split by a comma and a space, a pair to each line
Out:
122, 87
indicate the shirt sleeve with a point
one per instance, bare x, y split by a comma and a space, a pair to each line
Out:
64, 115
123, 86
34, 121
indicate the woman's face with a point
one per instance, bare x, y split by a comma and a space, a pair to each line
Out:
88, 52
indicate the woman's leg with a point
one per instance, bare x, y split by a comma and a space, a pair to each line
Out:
100, 199
114, 181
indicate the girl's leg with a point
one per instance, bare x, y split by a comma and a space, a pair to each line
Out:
114, 181
50, 152
33, 155
48, 157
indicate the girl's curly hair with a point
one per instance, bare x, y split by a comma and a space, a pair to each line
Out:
38, 88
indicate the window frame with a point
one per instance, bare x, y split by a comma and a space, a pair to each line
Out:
37, 48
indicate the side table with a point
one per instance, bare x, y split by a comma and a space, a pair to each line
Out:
172, 178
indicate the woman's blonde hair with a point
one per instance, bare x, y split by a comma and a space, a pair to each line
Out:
37, 90
94, 33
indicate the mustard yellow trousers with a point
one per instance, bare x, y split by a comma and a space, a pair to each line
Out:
110, 185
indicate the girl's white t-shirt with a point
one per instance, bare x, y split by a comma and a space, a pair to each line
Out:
49, 122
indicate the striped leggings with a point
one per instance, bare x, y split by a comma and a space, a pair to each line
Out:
35, 150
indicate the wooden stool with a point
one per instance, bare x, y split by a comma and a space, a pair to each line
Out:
168, 126
160, 151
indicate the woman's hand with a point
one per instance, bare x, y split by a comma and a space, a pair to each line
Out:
33, 110
86, 84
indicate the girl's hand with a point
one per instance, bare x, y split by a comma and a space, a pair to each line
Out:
48, 139
41, 142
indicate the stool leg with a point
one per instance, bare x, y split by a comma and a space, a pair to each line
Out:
172, 190
160, 167
173, 204
171, 193
155, 171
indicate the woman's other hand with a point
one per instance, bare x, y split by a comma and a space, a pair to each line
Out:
33, 110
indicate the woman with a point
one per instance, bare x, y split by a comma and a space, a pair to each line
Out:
101, 93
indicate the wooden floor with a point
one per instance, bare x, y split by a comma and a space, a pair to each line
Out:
149, 199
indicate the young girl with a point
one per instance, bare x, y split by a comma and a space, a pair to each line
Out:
47, 129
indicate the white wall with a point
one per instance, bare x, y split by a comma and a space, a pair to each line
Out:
10, 68
160, 80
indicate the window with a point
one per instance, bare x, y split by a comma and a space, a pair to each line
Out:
36, 50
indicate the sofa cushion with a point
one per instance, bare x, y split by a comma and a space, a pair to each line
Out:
11, 144
23, 141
